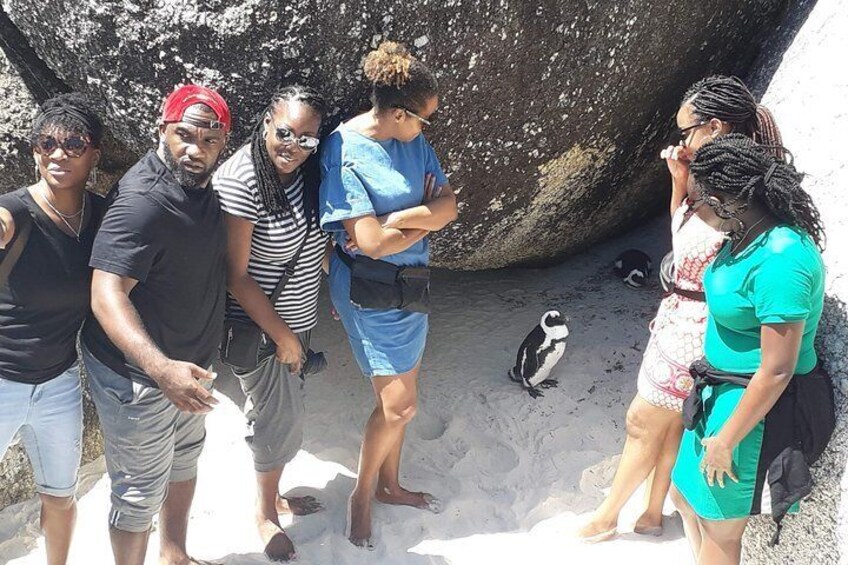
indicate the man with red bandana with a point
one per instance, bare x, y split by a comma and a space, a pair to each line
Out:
158, 292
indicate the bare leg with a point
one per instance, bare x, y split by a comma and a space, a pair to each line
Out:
278, 546
389, 490
691, 524
58, 516
646, 431
396, 405
173, 523
722, 541
129, 547
650, 522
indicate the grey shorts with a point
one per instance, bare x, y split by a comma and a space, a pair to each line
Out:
149, 443
274, 409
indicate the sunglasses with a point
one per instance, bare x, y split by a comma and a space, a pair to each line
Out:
424, 121
73, 145
285, 135
683, 133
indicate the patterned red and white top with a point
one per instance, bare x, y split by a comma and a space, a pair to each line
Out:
677, 332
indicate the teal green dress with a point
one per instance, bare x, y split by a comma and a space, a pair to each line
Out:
778, 278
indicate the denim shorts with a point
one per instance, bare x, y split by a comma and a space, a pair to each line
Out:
48, 418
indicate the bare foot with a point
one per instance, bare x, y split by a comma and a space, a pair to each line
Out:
298, 505
359, 522
597, 531
648, 525
278, 546
403, 497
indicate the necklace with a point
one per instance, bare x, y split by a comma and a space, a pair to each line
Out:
66, 217
733, 248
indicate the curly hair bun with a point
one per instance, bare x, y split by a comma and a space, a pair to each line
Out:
388, 65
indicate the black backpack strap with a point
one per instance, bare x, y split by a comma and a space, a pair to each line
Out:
23, 227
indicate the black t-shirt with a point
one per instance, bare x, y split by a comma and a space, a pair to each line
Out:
171, 240
47, 295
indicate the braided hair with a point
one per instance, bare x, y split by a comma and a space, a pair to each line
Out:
398, 80
270, 187
68, 113
735, 165
726, 98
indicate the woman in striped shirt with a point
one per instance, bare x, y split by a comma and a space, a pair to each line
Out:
269, 200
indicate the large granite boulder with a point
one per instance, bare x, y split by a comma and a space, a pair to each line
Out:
16, 164
552, 116
807, 95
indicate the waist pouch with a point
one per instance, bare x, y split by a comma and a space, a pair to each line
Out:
386, 286
244, 346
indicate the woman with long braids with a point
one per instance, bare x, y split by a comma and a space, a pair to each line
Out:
382, 192
765, 292
269, 195
712, 107
46, 233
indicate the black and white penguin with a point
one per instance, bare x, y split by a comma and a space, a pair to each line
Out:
634, 267
539, 352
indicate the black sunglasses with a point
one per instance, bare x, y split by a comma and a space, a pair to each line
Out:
683, 133
73, 145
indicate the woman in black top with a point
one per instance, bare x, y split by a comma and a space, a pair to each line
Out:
46, 232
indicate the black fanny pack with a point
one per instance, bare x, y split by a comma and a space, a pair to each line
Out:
386, 286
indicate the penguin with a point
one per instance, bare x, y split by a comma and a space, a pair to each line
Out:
539, 352
634, 267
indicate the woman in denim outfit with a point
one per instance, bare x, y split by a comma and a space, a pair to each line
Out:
382, 192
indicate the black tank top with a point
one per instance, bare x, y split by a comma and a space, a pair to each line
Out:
47, 295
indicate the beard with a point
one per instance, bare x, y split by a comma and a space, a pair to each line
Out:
187, 179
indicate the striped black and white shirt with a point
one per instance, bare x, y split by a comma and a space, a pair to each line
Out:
276, 238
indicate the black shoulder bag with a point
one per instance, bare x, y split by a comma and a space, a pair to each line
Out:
243, 339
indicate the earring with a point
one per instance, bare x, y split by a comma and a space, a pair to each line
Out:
37, 173
735, 234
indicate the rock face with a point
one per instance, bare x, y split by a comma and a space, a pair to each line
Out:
16, 165
807, 97
552, 113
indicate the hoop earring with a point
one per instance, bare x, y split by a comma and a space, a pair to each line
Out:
735, 234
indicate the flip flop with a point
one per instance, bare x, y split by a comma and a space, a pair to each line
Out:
655, 531
601, 537
431, 503
367, 543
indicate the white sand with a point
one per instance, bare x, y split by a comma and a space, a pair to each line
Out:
517, 475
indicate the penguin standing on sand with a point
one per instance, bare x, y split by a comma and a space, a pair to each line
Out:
539, 352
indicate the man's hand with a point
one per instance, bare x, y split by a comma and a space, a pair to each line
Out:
180, 382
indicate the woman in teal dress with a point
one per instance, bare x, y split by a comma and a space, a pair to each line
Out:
382, 192
765, 292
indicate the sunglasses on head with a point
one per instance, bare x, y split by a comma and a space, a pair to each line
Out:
285, 135
73, 145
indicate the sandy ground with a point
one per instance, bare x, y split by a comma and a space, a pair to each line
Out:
517, 475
